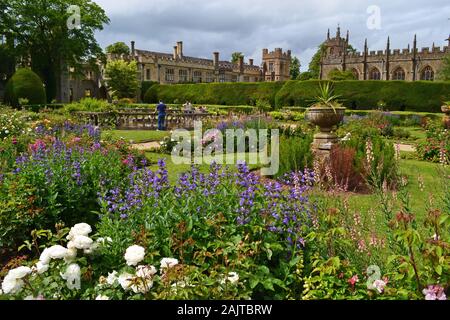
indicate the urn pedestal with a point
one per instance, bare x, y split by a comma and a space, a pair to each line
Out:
325, 119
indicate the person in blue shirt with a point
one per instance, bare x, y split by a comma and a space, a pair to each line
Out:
161, 109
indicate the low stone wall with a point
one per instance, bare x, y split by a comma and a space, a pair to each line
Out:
138, 119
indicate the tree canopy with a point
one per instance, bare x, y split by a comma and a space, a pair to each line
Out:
236, 56
444, 74
338, 75
294, 70
44, 32
314, 65
122, 78
118, 48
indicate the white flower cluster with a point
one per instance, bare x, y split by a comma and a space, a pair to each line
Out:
13, 282
78, 240
232, 277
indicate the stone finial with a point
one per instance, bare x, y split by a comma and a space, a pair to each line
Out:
328, 34
338, 32
133, 49
348, 36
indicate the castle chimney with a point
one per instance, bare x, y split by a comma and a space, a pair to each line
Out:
216, 60
241, 63
175, 52
251, 61
180, 49
133, 50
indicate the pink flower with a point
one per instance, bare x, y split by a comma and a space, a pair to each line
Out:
434, 292
76, 140
379, 285
353, 280
14, 141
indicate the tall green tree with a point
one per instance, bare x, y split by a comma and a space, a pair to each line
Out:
118, 48
444, 74
338, 75
294, 70
236, 56
46, 33
122, 78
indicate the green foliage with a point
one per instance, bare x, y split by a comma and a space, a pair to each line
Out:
232, 94
40, 31
24, 84
436, 147
338, 75
307, 75
122, 78
118, 48
145, 86
294, 70
444, 73
89, 104
314, 65
421, 96
236, 56
295, 153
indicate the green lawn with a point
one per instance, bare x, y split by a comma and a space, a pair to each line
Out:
136, 136
176, 169
413, 169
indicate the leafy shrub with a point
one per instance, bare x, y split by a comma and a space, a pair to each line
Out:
401, 133
295, 153
55, 182
436, 147
89, 104
25, 84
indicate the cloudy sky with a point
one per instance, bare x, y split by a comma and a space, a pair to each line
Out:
249, 26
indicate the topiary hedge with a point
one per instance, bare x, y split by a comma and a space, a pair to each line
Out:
420, 96
24, 84
215, 93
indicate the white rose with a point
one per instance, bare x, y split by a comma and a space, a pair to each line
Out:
57, 252
142, 286
168, 263
81, 229
11, 285
112, 278
145, 271
82, 242
45, 257
233, 277
125, 281
73, 277
41, 267
100, 297
71, 255
134, 255
19, 273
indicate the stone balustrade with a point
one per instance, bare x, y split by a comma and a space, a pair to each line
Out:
139, 119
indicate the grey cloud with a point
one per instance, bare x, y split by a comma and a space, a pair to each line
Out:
250, 25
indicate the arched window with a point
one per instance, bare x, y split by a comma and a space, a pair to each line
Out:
374, 74
355, 73
399, 74
427, 74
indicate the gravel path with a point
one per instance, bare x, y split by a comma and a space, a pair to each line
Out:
146, 146
406, 147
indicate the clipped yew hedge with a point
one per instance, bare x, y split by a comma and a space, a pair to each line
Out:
420, 96
229, 94
25, 84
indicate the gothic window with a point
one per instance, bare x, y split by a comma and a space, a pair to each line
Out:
197, 76
88, 93
399, 74
375, 74
271, 69
170, 75
234, 78
209, 77
427, 74
89, 75
147, 74
355, 73
246, 79
183, 74
222, 77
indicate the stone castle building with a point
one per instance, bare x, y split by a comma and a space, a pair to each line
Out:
176, 67
410, 64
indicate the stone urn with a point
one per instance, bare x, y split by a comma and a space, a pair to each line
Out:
325, 118
446, 109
